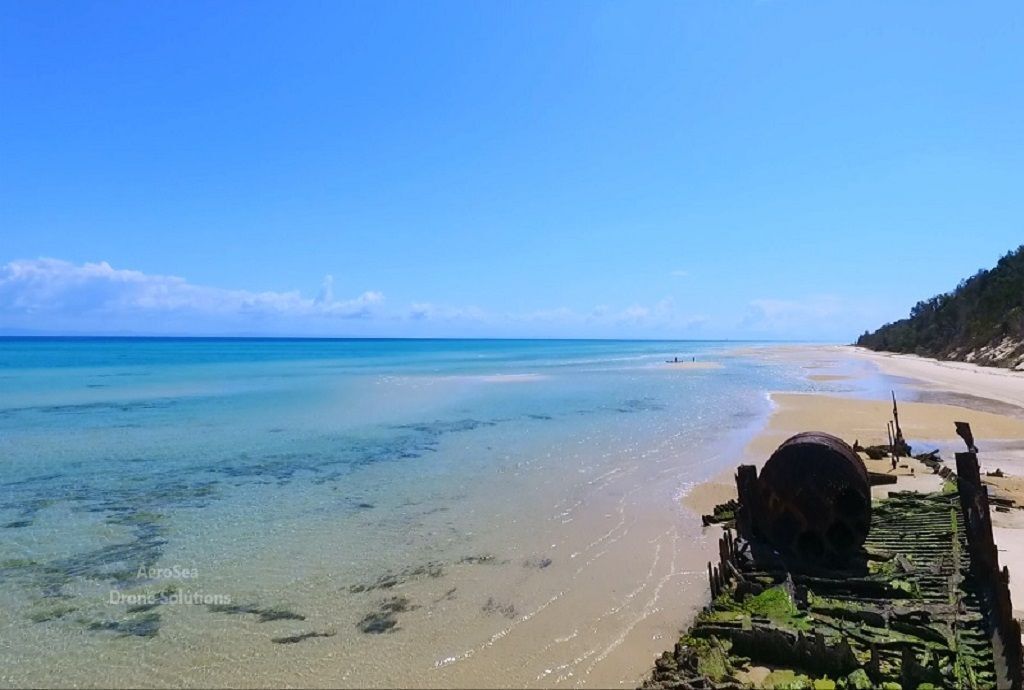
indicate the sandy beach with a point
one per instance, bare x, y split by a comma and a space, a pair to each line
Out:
993, 383
991, 400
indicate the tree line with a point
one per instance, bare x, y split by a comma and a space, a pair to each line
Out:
981, 320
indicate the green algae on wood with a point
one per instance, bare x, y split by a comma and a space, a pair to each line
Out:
910, 619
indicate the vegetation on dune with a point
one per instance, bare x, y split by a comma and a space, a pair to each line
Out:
981, 321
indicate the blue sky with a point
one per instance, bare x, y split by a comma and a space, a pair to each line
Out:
776, 169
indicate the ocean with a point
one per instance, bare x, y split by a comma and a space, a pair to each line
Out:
247, 512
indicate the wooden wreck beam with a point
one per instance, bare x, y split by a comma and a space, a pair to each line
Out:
993, 581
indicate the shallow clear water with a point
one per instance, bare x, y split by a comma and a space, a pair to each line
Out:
416, 513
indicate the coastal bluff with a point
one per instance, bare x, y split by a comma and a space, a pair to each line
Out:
980, 321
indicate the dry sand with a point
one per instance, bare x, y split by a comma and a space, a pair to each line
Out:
960, 377
865, 420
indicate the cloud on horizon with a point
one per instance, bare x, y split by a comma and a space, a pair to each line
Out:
49, 295
51, 290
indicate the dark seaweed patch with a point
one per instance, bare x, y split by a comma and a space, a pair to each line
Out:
147, 625
377, 622
385, 618
506, 610
93, 407
27, 510
347, 455
629, 406
137, 507
139, 500
640, 405
47, 611
318, 467
388, 580
441, 427
117, 562
292, 639
264, 615
481, 559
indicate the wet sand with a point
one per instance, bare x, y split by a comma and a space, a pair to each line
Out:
828, 377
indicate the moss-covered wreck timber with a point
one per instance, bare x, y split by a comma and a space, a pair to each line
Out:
921, 603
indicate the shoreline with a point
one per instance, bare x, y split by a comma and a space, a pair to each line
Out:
993, 383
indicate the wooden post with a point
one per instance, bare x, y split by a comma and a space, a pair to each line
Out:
898, 439
993, 581
896, 416
746, 490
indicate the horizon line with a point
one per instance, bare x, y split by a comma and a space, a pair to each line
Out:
15, 336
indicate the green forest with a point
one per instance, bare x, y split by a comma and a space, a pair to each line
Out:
982, 320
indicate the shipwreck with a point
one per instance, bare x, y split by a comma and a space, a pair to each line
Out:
818, 586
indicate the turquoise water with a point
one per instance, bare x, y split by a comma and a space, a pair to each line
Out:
371, 497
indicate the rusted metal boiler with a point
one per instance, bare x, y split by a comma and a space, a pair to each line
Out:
812, 499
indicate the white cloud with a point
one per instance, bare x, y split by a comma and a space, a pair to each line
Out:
679, 273
52, 295
51, 287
